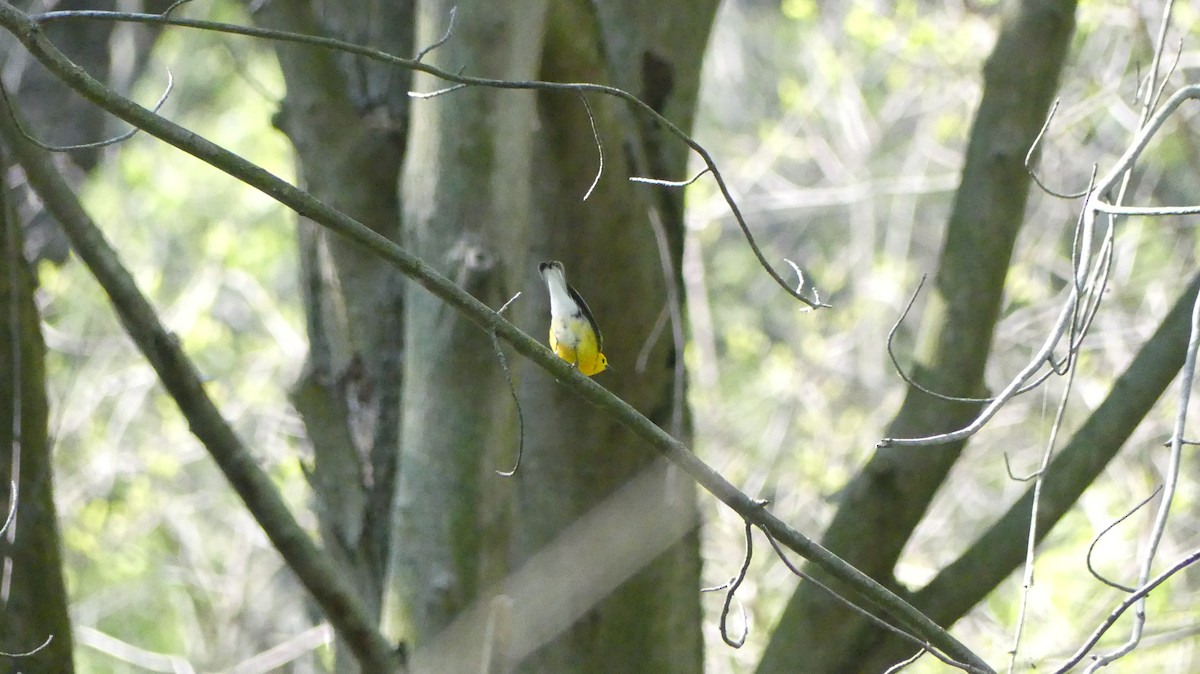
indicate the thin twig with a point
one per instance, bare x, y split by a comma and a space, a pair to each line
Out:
1081, 236
1092, 548
12, 507
1036, 501
675, 312
26, 654
905, 662
9, 107
731, 589
1090, 286
175, 5
1093, 296
426, 95
1037, 140
1134, 151
1116, 613
1150, 120
660, 323
1015, 478
668, 183
891, 351
512, 388
443, 40
599, 146
1162, 85
1158, 530
1016, 385
816, 298
891, 338
870, 617
1149, 211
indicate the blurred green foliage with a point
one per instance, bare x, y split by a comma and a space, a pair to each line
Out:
849, 171
160, 553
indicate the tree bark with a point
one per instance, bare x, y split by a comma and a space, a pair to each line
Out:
466, 210
347, 118
33, 596
589, 556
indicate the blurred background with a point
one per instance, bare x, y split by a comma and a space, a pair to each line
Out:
841, 133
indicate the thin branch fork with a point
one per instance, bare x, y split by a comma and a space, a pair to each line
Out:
1150, 121
27, 31
1095, 204
1117, 612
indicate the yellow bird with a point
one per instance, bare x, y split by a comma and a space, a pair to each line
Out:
574, 335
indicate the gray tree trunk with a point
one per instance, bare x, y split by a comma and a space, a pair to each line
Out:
588, 559
33, 596
347, 118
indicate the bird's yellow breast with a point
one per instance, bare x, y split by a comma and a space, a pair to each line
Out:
574, 340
